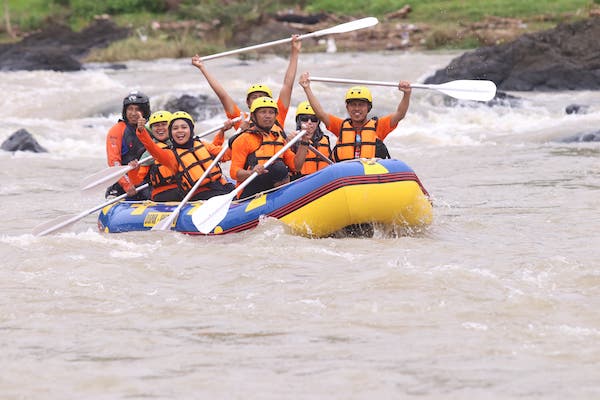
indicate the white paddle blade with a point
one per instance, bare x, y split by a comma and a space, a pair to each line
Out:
348, 26
109, 175
215, 209
165, 223
345, 27
212, 212
106, 176
465, 89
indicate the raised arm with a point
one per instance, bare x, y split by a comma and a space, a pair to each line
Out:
304, 81
226, 100
402, 109
163, 156
285, 94
301, 152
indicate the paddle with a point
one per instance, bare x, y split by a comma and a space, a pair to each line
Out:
65, 220
111, 174
215, 209
346, 27
321, 155
165, 224
464, 89
108, 175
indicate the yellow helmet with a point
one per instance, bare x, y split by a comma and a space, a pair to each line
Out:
359, 93
262, 102
180, 115
304, 108
160, 116
258, 87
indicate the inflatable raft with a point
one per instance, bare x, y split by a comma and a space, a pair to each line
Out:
344, 194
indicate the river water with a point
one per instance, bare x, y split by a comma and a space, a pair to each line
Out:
497, 299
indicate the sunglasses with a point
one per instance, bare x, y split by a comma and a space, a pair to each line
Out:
306, 118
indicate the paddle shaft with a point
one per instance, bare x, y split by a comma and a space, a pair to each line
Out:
110, 174
354, 81
269, 162
165, 224
321, 155
60, 222
345, 27
215, 209
480, 90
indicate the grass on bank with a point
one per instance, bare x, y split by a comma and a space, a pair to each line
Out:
456, 11
445, 17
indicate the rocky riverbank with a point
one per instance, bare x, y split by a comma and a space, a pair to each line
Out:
561, 58
564, 58
58, 48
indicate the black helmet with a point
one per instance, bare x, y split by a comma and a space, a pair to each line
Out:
138, 98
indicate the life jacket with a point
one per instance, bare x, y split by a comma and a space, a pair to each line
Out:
269, 146
192, 164
161, 177
131, 147
313, 162
251, 127
370, 145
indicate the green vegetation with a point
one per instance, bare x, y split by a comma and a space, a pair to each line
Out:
445, 18
26, 14
457, 10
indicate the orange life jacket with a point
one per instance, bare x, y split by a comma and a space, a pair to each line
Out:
161, 177
313, 162
192, 164
270, 145
348, 145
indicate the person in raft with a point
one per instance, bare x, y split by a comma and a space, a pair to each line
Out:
258, 89
359, 136
164, 185
313, 162
257, 144
187, 160
123, 146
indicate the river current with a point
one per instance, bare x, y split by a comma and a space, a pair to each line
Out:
497, 299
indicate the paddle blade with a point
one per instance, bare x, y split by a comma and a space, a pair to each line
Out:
212, 212
165, 223
107, 176
465, 89
348, 26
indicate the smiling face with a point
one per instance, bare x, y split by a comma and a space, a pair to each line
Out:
133, 113
160, 130
357, 110
309, 123
180, 131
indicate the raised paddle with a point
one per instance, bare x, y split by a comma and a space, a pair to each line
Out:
65, 220
463, 89
345, 27
165, 224
215, 209
111, 174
